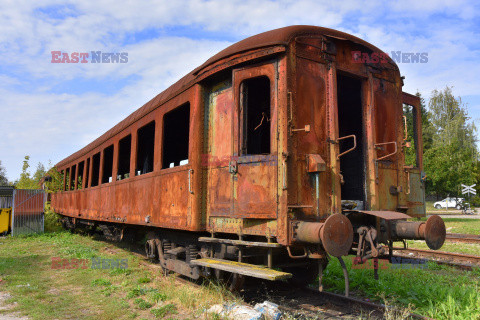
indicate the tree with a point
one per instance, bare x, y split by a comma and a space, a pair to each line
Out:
27, 181
39, 173
452, 157
3, 176
55, 181
427, 130
427, 127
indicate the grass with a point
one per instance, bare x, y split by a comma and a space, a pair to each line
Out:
42, 290
457, 247
438, 292
167, 309
51, 220
429, 206
139, 292
458, 225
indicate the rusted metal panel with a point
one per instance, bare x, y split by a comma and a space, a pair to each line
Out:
123, 202
387, 115
415, 190
174, 200
219, 199
309, 107
255, 190
387, 177
260, 227
281, 223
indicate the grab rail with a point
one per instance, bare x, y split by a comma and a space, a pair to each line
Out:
349, 150
386, 143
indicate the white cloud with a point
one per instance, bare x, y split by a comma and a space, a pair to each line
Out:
51, 126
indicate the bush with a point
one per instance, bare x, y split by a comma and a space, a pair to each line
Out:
475, 201
52, 220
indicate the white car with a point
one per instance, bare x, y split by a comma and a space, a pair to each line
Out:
449, 203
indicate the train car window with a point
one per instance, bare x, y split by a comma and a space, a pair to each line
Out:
67, 179
87, 173
81, 167
145, 148
124, 152
72, 177
410, 117
107, 164
176, 135
255, 109
95, 169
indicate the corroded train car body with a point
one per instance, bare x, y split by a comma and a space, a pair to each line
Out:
284, 127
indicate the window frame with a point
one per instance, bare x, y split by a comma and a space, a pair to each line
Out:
270, 70
137, 146
162, 145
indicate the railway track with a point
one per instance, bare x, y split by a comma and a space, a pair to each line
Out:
302, 302
459, 260
459, 237
366, 306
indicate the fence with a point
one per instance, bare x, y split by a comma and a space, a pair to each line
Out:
28, 211
6, 197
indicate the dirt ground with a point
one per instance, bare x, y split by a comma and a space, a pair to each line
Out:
5, 307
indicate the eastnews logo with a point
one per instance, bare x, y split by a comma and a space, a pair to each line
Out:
92, 57
382, 57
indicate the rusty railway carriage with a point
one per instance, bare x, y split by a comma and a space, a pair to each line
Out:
277, 152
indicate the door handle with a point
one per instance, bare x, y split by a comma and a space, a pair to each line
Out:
233, 166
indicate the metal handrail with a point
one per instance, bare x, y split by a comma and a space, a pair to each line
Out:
349, 150
386, 143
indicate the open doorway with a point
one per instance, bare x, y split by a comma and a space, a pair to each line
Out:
350, 122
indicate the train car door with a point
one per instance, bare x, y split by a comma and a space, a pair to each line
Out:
384, 127
218, 153
415, 185
253, 165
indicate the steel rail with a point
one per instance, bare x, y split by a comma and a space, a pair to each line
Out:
338, 298
460, 237
442, 256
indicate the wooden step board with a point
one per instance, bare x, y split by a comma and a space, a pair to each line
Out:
245, 269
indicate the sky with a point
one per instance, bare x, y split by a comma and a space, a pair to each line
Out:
50, 110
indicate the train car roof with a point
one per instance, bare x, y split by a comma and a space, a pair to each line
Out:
277, 37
